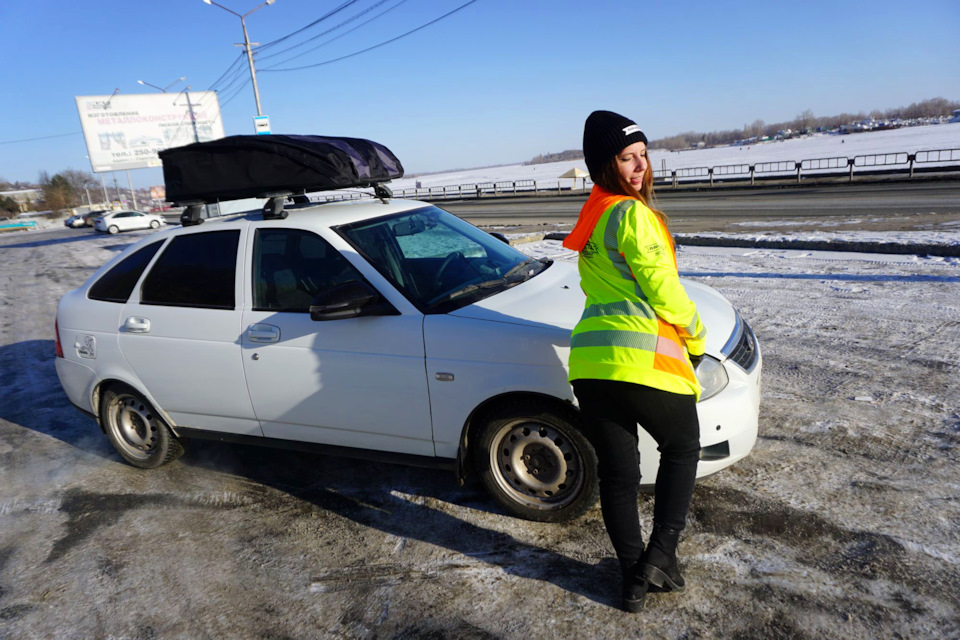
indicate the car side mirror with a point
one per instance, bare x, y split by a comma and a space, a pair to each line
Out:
347, 300
499, 236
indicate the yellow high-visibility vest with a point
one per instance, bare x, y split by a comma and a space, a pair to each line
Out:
638, 324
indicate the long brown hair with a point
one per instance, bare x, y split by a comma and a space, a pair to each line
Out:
610, 179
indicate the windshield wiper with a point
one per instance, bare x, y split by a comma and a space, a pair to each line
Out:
511, 278
517, 269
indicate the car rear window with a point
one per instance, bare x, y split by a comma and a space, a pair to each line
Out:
117, 284
196, 270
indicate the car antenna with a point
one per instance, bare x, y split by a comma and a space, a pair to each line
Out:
383, 192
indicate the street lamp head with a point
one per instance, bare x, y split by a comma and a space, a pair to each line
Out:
207, 2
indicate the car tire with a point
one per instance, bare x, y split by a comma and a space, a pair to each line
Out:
535, 462
136, 430
154, 224
113, 229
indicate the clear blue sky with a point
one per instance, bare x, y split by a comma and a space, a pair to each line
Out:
494, 83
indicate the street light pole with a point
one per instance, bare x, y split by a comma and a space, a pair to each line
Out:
246, 44
162, 89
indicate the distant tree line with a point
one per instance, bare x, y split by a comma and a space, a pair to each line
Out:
806, 120
569, 154
63, 190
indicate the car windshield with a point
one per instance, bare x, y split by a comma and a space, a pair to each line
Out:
437, 260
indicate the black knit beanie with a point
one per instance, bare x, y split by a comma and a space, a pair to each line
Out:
605, 134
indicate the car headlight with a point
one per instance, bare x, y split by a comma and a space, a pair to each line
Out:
712, 376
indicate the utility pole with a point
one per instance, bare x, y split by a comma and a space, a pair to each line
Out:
106, 198
133, 194
246, 44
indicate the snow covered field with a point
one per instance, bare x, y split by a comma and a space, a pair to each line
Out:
909, 140
843, 523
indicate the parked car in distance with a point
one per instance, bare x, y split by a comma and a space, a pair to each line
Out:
90, 218
128, 220
74, 222
389, 330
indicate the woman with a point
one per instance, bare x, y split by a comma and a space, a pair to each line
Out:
633, 354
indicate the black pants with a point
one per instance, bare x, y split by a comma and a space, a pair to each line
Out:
611, 411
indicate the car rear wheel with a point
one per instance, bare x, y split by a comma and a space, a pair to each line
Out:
113, 229
136, 430
536, 463
154, 224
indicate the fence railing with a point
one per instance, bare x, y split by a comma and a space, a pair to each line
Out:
812, 167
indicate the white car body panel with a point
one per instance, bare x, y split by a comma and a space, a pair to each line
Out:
379, 382
124, 221
357, 383
538, 361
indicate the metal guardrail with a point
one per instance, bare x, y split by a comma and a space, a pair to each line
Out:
881, 159
940, 155
820, 167
823, 164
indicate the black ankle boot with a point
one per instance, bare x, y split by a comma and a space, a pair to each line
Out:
634, 587
658, 566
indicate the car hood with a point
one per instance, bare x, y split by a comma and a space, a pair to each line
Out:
554, 301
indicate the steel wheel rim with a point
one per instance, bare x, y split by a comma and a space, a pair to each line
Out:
135, 425
537, 465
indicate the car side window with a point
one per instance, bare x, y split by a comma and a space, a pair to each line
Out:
195, 270
117, 284
291, 266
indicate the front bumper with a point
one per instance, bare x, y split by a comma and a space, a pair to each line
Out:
729, 418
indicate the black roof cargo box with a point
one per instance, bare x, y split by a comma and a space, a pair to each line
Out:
238, 167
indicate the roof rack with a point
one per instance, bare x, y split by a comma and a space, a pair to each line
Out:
274, 167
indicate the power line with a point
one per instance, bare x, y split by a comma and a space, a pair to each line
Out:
323, 44
238, 91
59, 135
315, 22
376, 46
238, 60
320, 35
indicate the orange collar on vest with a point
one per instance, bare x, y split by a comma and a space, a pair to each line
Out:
599, 201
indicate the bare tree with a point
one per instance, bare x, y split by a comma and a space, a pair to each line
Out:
58, 193
80, 181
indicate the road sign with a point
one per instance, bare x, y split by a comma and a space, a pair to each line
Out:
261, 125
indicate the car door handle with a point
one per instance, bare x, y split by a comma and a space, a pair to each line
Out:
263, 333
136, 324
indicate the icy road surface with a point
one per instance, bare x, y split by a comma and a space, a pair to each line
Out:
843, 523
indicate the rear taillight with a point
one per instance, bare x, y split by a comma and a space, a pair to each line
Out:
56, 330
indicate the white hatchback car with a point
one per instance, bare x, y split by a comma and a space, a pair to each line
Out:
383, 329
129, 220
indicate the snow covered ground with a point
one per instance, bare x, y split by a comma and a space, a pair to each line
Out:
906, 140
844, 522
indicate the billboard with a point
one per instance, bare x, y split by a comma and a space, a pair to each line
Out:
126, 131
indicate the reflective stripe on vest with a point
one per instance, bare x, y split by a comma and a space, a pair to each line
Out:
625, 339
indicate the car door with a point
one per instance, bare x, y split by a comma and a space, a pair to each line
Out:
120, 220
136, 220
181, 334
357, 382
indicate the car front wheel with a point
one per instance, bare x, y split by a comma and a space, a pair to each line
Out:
136, 430
536, 463
113, 229
154, 224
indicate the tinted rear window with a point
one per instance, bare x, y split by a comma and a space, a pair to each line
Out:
196, 270
117, 284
